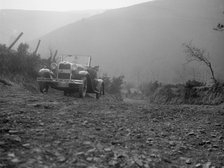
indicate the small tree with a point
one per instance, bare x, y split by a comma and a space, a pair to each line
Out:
116, 84
196, 54
23, 49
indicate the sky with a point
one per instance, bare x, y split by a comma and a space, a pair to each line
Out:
66, 5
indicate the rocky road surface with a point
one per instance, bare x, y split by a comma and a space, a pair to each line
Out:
54, 131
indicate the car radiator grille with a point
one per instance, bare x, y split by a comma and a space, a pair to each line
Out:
63, 75
64, 66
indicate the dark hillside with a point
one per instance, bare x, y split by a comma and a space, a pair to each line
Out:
145, 40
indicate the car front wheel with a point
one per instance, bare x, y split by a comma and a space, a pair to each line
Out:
102, 91
97, 95
43, 87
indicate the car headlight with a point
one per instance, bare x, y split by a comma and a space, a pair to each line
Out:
53, 66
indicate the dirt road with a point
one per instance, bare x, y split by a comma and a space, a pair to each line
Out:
55, 131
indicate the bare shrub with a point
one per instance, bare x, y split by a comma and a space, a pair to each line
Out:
199, 55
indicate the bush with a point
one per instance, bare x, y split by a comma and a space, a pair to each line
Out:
20, 62
114, 85
193, 83
149, 88
190, 91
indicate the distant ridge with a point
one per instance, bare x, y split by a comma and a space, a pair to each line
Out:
35, 23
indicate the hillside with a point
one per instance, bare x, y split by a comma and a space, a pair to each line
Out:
144, 42
35, 23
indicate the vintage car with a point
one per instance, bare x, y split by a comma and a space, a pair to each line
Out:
72, 74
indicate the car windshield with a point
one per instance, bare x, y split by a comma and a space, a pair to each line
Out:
83, 60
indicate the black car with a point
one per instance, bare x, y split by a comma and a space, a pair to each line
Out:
72, 74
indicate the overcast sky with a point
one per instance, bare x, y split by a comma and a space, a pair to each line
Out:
65, 5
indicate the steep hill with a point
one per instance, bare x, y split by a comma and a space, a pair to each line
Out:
35, 23
144, 42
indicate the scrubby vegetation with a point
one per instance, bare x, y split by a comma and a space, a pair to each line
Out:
113, 85
192, 92
20, 64
149, 88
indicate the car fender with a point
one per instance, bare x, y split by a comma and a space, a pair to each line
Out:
83, 73
44, 72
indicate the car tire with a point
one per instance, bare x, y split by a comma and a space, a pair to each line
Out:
83, 88
97, 95
102, 91
43, 87
65, 93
